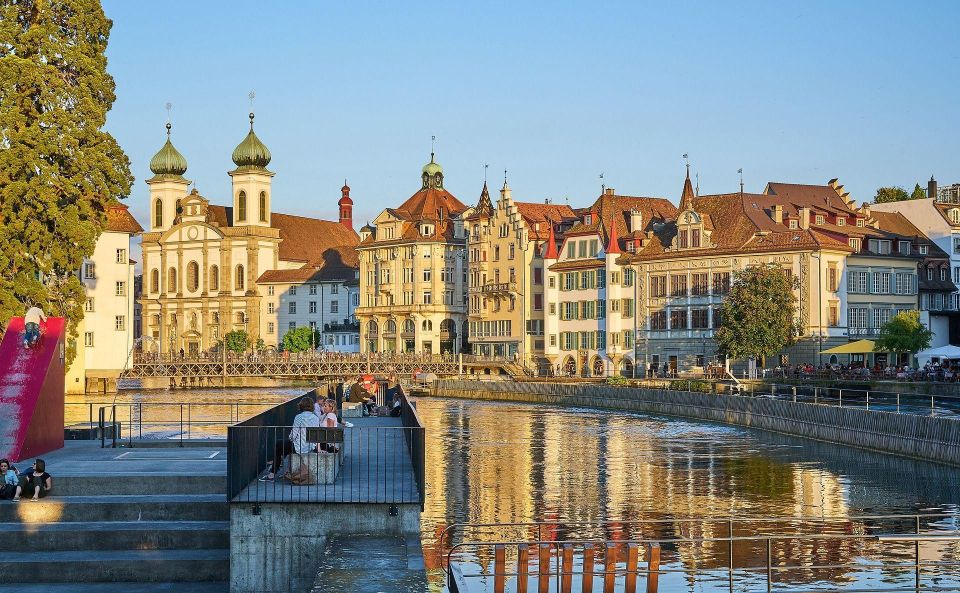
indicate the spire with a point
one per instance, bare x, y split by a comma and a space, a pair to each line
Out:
686, 198
485, 206
551, 251
613, 246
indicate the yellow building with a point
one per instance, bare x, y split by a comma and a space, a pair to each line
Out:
413, 270
505, 248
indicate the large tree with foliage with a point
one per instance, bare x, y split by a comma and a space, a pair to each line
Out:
891, 194
903, 333
757, 318
58, 169
919, 193
302, 339
237, 341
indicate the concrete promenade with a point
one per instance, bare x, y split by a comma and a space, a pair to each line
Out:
922, 437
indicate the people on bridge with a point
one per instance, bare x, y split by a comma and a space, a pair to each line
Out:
32, 320
296, 442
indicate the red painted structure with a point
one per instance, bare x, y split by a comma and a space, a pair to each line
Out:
31, 391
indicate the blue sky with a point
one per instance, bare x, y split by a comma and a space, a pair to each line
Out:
556, 93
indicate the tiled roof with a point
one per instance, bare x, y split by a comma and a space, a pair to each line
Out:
303, 239
577, 264
535, 213
119, 220
338, 264
614, 209
427, 203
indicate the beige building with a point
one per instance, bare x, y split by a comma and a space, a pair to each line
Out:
202, 263
413, 268
505, 248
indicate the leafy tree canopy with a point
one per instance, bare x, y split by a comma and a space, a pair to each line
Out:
903, 333
891, 194
302, 339
757, 319
918, 193
237, 341
58, 169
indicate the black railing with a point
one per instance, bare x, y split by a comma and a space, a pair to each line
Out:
376, 460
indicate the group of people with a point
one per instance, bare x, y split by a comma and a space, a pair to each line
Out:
35, 482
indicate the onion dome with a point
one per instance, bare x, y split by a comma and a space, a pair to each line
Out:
432, 174
367, 228
251, 153
345, 194
168, 161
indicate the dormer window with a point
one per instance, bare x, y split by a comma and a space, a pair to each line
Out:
841, 221
924, 249
426, 230
587, 219
854, 243
793, 224
631, 247
954, 215
818, 219
860, 222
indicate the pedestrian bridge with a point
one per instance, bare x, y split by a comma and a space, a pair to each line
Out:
211, 370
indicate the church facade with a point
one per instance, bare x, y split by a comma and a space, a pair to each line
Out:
210, 269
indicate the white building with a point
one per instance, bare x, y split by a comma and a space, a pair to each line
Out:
106, 332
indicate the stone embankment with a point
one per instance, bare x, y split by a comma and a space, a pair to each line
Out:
922, 437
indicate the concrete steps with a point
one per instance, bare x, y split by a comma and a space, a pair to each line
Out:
124, 529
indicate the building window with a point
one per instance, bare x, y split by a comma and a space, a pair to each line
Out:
172, 280
841, 221
832, 283
270, 291
312, 289
678, 285
793, 224
818, 219
157, 213
881, 282
334, 306
943, 273
120, 323
427, 275
658, 286
853, 243
860, 222
427, 298
857, 319
121, 289
880, 246
270, 327
833, 315
89, 270
88, 306
678, 319
904, 247
292, 291
193, 276
658, 320
241, 277
270, 308
857, 282
292, 308
121, 256
263, 206
699, 318
929, 273
334, 289
154, 280
954, 216
313, 307
88, 339
292, 325
721, 283
701, 285
538, 276
215, 278
242, 206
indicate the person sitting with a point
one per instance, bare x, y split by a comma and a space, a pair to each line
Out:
329, 420
9, 481
31, 325
37, 482
297, 439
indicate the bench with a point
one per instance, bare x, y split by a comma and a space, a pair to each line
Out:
324, 466
351, 410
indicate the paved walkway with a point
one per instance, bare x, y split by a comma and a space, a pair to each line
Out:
86, 458
371, 564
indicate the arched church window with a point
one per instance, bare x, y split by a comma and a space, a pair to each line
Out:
242, 206
172, 280
193, 276
240, 278
158, 213
263, 206
214, 277
155, 281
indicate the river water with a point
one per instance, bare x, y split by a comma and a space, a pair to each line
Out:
587, 473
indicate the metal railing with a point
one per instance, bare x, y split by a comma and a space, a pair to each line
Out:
746, 553
900, 402
374, 463
180, 421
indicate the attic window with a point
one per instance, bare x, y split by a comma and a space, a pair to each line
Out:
587, 219
860, 222
818, 219
924, 249
854, 243
631, 247
793, 224
841, 221
426, 230
954, 215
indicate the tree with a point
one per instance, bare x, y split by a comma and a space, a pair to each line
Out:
918, 193
59, 171
237, 341
903, 333
891, 194
757, 319
302, 339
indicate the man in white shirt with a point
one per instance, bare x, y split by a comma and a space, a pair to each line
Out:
32, 320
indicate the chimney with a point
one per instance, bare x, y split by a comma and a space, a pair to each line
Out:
777, 213
346, 207
608, 191
804, 217
636, 220
932, 188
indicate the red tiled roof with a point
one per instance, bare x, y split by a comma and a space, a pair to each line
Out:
613, 209
119, 220
550, 214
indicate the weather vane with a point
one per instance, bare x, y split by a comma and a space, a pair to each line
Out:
169, 106
485, 167
252, 95
433, 142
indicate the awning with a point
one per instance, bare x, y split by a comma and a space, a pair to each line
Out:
858, 347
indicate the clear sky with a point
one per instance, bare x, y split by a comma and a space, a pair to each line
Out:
556, 93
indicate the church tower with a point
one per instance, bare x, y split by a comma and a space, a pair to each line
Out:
251, 182
167, 186
346, 206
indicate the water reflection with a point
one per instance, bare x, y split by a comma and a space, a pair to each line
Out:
498, 463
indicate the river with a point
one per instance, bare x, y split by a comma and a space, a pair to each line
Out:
594, 474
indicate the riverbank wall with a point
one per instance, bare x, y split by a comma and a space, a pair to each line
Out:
921, 437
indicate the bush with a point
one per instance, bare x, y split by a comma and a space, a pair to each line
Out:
618, 381
688, 385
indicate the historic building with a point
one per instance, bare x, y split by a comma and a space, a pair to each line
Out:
107, 329
413, 268
505, 247
211, 269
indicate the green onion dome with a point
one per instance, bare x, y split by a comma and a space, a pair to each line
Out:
168, 161
251, 153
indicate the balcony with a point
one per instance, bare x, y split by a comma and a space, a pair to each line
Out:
863, 332
495, 288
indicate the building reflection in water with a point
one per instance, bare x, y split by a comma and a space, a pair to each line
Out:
503, 463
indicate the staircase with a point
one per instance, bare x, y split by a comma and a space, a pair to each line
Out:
101, 533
